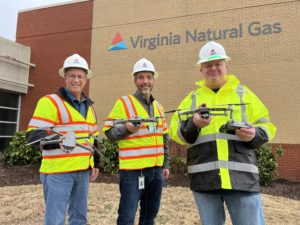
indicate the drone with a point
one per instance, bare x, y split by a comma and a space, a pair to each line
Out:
136, 121
231, 126
206, 112
67, 140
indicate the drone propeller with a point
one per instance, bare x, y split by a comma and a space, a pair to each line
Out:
176, 110
235, 104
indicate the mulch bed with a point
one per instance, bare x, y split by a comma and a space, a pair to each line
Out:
24, 175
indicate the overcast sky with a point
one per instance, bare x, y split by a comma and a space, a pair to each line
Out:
9, 14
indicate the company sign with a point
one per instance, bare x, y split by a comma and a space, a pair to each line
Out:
255, 28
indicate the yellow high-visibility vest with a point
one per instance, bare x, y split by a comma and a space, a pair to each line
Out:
217, 166
144, 148
52, 110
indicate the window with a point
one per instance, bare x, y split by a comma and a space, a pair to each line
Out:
9, 116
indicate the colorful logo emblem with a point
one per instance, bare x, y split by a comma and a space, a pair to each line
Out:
117, 43
212, 52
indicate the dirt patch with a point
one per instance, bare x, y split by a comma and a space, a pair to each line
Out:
21, 199
24, 205
25, 175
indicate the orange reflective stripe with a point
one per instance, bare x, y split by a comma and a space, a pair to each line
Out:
143, 136
67, 171
68, 112
57, 108
140, 147
93, 111
64, 114
132, 105
144, 148
107, 126
43, 119
67, 155
69, 120
140, 157
40, 123
82, 122
125, 107
159, 109
94, 132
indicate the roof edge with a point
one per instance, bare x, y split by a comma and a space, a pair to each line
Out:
52, 5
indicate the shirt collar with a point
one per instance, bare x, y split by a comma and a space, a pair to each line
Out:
73, 98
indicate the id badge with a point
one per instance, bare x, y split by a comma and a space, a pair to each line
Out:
141, 182
151, 128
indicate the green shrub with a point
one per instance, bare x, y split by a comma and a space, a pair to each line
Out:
109, 156
267, 164
178, 164
18, 153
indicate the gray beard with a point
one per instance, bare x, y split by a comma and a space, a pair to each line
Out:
146, 92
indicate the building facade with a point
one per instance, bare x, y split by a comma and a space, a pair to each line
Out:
14, 73
260, 36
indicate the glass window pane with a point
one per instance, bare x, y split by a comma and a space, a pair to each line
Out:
9, 99
7, 129
4, 143
8, 115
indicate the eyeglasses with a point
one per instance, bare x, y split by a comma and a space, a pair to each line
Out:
73, 77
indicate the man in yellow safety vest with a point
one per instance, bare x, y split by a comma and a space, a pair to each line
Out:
66, 168
221, 159
143, 147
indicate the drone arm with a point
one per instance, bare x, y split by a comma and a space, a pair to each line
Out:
35, 136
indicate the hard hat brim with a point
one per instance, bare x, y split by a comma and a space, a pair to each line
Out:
212, 58
62, 73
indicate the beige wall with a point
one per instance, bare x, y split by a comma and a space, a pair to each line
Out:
266, 63
14, 66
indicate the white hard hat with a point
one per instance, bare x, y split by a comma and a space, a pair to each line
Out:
144, 65
75, 61
212, 51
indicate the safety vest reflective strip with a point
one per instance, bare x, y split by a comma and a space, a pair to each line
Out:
68, 125
129, 107
40, 122
240, 91
161, 113
222, 143
108, 123
126, 152
141, 152
144, 132
221, 164
64, 115
213, 137
58, 153
77, 127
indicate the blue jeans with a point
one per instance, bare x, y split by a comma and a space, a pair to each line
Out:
65, 191
245, 208
149, 197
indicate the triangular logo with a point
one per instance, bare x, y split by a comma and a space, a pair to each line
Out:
212, 52
117, 43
